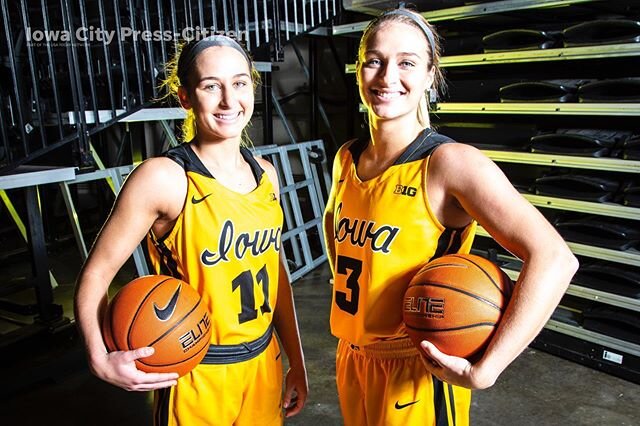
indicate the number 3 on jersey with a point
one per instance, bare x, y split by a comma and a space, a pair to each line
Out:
244, 281
351, 268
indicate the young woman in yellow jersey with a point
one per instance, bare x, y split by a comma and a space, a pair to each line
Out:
401, 197
197, 198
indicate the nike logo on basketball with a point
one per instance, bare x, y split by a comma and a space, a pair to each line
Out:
195, 200
165, 313
401, 406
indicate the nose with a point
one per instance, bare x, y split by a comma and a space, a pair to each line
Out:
390, 73
229, 97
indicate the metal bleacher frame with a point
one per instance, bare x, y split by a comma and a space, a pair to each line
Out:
39, 128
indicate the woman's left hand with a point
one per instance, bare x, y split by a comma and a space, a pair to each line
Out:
296, 390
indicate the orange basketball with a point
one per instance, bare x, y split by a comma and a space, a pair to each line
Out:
456, 302
164, 313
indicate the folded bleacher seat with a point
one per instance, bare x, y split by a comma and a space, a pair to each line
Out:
520, 39
613, 321
610, 90
602, 31
600, 231
631, 148
631, 195
579, 142
577, 187
541, 91
610, 278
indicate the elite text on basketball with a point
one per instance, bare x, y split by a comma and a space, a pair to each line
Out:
431, 307
191, 337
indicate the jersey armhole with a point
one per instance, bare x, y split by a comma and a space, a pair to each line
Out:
425, 181
427, 203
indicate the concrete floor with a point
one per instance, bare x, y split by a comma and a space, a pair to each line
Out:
49, 383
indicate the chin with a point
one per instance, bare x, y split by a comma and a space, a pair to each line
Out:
388, 113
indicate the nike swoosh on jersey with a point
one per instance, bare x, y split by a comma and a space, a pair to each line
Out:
165, 313
401, 406
195, 200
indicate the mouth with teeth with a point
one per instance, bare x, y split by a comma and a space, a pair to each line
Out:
386, 95
229, 117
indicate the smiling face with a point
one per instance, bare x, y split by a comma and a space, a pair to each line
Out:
394, 71
220, 92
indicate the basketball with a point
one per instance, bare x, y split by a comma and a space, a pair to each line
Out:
456, 302
164, 313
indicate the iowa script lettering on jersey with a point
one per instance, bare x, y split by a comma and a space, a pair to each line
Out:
256, 242
364, 233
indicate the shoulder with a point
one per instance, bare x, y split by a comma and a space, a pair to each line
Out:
458, 165
269, 170
158, 171
157, 183
456, 156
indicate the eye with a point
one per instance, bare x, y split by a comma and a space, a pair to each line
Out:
373, 62
211, 87
240, 84
407, 64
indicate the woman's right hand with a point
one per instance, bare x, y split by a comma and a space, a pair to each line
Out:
119, 369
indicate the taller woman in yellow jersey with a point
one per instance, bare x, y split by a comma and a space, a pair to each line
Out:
401, 197
193, 203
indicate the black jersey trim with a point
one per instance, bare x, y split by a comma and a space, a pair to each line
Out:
168, 264
452, 403
439, 403
186, 158
450, 241
421, 147
161, 415
443, 243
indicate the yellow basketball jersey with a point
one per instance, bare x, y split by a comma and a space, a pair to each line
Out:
226, 245
384, 232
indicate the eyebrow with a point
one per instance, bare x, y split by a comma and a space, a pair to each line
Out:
243, 74
377, 52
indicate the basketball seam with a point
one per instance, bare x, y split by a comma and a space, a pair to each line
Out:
462, 327
135, 316
484, 272
440, 265
448, 287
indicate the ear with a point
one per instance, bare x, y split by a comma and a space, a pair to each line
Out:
431, 75
183, 95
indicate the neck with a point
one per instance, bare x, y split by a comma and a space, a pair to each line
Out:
221, 155
389, 138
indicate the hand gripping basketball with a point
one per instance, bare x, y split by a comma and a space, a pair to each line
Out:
456, 302
164, 313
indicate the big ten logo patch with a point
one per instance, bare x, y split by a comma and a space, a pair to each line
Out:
409, 191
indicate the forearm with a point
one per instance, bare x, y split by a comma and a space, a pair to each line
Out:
329, 240
286, 322
540, 286
89, 304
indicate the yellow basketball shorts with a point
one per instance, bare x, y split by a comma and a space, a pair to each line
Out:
243, 393
386, 384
